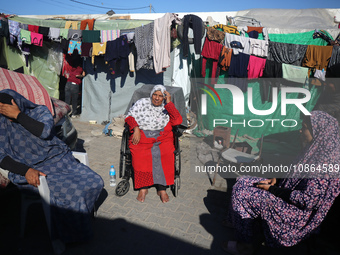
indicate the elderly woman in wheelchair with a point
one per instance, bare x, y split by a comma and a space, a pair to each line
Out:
150, 120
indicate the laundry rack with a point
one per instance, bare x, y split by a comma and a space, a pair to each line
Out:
243, 20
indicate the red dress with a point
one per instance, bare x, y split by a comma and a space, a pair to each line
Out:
154, 155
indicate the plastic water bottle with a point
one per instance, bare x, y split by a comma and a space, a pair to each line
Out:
112, 176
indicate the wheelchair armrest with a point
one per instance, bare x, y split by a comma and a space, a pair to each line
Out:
177, 130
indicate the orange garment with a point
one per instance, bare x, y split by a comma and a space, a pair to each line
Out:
258, 29
225, 58
85, 22
317, 56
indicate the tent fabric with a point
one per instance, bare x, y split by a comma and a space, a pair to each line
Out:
26, 85
290, 18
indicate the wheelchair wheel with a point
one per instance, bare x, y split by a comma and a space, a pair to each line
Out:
122, 188
176, 186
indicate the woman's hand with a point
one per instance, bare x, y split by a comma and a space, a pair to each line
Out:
10, 110
32, 177
167, 97
266, 183
136, 135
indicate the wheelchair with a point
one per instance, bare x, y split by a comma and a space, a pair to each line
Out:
126, 169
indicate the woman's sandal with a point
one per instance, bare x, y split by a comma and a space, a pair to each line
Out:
236, 248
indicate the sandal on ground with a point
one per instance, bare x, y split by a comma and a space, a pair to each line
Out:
236, 248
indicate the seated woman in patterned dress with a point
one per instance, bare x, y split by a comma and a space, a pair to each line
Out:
151, 144
294, 207
29, 149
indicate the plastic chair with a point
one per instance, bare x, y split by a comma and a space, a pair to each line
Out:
238, 157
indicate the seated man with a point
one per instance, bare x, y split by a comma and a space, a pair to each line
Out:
151, 144
28, 149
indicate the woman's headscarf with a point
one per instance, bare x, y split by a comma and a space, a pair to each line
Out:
321, 158
148, 116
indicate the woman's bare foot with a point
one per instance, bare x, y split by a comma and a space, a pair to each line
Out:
163, 195
141, 195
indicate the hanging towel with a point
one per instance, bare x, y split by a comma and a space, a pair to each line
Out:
109, 35
91, 36
297, 74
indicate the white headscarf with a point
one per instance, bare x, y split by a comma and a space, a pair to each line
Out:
148, 116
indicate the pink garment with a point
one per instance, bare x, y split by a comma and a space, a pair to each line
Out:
255, 67
36, 39
211, 49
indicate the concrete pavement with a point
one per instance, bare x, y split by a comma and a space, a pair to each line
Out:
123, 225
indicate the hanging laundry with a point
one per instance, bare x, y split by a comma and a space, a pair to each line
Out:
287, 53
36, 39
239, 69
109, 35
215, 35
73, 24
44, 31
14, 32
317, 56
296, 74
211, 50
74, 45
237, 43
227, 28
54, 34
271, 77
74, 35
255, 67
87, 22
162, 42
225, 58
25, 36
196, 24
98, 49
258, 47
33, 28
64, 33
91, 36
86, 49
117, 51
4, 30
335, 57
144, 46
